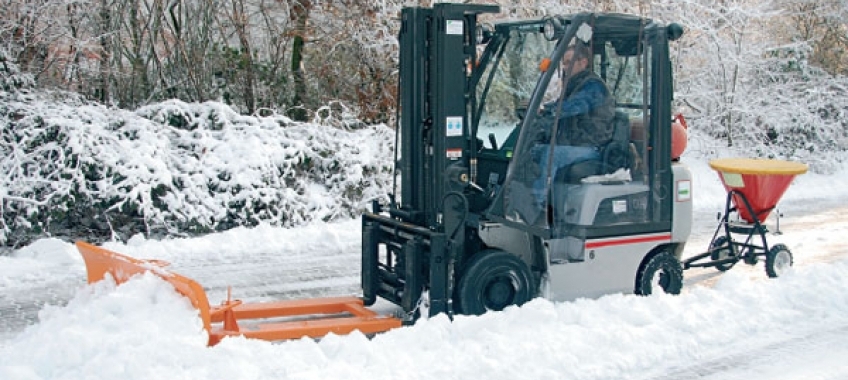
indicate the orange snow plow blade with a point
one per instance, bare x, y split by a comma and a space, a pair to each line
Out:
315, 317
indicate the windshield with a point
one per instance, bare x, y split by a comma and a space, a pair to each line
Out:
565, 112
507, 84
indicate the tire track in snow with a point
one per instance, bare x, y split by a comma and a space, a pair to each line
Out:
258, 276
808, 356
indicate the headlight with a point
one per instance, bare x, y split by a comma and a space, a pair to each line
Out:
552, 29
483, 33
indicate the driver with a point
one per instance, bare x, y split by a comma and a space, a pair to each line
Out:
586, 111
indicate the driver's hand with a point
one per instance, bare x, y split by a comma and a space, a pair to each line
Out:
548, 108
521, 109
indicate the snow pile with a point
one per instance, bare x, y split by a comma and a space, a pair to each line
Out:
143, 330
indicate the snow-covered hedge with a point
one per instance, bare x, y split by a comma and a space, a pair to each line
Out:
77, 169
11, 78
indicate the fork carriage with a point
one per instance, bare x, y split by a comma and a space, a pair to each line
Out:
754, 187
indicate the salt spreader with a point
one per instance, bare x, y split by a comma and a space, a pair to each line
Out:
754, 186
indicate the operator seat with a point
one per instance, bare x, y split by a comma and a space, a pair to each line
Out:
586, 204
614, 155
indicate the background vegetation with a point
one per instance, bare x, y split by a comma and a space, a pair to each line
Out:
118, 115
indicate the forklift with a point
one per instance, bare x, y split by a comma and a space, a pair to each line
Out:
464, 232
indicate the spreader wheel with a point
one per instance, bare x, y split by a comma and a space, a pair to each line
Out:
662, 271
493, 280
778, 260
721, 250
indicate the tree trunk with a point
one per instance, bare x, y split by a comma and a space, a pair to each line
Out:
105, 22
300, 16
239, 19
139, 86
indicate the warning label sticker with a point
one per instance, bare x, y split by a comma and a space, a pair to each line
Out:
733, 180
619, 206
454, 153
453, 27
453, 125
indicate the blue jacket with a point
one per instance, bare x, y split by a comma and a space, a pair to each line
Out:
587, 112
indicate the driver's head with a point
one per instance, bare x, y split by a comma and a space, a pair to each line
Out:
576, 58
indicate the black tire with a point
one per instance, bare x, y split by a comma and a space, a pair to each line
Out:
723, 253
493, 280
662, 269
778, 260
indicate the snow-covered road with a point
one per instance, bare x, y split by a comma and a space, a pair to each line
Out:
732, 325
315, 263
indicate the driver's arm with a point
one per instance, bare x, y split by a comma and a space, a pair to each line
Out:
590, 96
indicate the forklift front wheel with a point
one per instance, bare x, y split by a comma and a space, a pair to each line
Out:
778, 260
661, 272
493, 280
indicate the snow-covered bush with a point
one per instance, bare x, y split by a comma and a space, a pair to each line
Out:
85, 170
11, 78
798, 111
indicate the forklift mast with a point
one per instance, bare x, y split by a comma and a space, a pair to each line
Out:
437, 50
414, 247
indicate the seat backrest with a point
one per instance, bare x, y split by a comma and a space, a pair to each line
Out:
621, 127
616, 153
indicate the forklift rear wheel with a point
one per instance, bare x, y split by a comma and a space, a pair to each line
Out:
720, 252
493, 280
778, 260
662, 271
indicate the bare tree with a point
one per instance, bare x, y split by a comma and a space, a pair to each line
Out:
29, 31
300, 55
824, 25
238, 18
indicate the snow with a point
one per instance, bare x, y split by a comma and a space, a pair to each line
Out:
173, 168
737, 324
